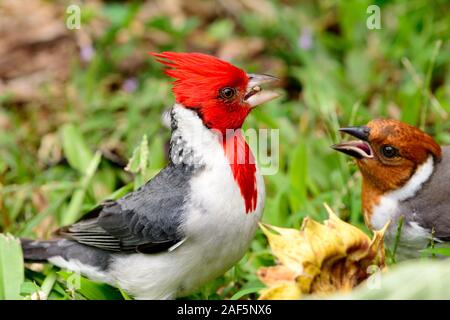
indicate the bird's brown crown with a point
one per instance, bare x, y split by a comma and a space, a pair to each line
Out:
412, 144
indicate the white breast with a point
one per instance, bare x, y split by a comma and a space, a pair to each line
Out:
218, 230
413, 235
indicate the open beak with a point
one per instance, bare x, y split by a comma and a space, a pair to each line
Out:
255, 95
357, 148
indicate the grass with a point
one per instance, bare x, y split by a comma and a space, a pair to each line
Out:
65, 153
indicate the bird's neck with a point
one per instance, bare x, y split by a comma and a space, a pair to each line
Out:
370, 198
193, 145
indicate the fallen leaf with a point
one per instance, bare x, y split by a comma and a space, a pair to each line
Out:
319, 258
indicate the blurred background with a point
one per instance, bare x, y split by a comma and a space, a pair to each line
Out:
76, 103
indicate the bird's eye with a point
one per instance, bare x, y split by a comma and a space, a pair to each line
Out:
227, 93
389, 151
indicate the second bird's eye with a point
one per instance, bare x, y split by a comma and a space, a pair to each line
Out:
227, 93
389, 151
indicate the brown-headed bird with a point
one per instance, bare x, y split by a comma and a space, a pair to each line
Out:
405, 173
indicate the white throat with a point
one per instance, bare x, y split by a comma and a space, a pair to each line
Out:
191, 142
386, 209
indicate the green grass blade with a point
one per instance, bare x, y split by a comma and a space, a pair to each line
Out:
75, 148
48, 283
11, 268
73, 212
397, 239
245, 292
91, 290
442, 251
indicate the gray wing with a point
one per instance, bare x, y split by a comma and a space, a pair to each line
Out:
146, 220
430, 207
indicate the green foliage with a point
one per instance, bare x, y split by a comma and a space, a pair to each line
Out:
11, 268
413, 280
73, 211
440, 251
139, 162
89, 289
75, 148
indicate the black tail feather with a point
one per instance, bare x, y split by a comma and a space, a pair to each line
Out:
38, 251
42, 250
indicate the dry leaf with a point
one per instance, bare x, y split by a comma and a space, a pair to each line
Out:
319, 258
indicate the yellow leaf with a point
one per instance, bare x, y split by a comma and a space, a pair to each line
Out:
284, 291
319, 258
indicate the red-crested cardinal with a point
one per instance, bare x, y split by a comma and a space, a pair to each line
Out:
405, 173
197, 217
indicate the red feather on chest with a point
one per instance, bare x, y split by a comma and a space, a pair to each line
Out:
242, 163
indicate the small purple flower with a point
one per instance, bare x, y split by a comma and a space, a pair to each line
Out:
87, 53
305, 41
130, 85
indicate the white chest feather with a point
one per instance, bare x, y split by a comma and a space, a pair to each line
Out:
388, 208
218, 230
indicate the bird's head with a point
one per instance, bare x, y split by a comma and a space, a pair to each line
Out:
222, 94
388, 152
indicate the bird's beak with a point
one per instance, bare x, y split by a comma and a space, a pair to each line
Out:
362, 132
255, 95
357, 148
